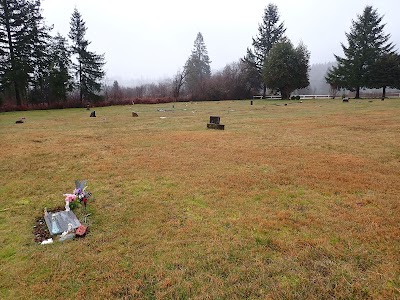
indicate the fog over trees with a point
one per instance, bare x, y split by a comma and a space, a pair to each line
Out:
40, 68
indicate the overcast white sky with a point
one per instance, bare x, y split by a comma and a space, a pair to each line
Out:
151, 39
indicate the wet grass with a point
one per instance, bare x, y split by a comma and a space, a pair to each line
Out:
289, 202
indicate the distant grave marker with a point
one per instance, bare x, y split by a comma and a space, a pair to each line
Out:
134, 114
215, 123
93, 114
215, 120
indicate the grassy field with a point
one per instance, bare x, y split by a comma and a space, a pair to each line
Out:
289, 202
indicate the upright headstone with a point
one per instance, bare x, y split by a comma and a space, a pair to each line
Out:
215, 120
93, 114
215, 123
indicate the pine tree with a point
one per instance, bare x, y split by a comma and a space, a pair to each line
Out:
116, 92
60, 79
385, 72
253, 76
89, 66
11, 20
286, 68
38, 58
270, 32
197, 67
24, 47
366, 44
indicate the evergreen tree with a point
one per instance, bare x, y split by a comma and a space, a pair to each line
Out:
11, 20
60, 79
366, 44
89, 66
38, 58
197, 67
251, 71
335, 79
23, 47
286, 68
116, 92
270, 32
385, 72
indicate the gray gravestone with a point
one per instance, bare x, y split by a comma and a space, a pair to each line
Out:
58, 222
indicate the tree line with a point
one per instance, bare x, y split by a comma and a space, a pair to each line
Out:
38, 67
274, 65
271, 62
369, 60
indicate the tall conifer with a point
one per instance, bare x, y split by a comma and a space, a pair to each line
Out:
197, 67
367, 43
89, 66
270, 32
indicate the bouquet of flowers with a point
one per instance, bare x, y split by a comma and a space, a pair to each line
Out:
79, 195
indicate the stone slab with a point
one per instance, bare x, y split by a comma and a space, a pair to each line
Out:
215, 126
60, 222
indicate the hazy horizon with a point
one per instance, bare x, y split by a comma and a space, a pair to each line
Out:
151, 41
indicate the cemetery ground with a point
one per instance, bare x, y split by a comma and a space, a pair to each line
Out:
288, 202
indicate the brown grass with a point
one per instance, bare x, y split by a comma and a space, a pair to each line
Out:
289, 202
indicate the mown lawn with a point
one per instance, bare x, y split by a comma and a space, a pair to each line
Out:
289, 202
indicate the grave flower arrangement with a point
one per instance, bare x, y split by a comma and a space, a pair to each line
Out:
79, 195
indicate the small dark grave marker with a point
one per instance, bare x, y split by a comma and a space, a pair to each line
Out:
88, 107
345, 99
215, 123
251, 102
215, 120
134, 114
93, 114
19, 122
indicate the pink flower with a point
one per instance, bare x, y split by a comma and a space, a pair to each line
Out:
70, 197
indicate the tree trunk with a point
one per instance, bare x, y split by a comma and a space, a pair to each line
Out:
384, 92
264, 90
12, 57
285, 95
80, 82
357, 93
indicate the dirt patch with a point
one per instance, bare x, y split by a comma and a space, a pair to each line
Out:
40, 230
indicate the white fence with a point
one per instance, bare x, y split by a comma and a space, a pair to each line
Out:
301, 97
305, 97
